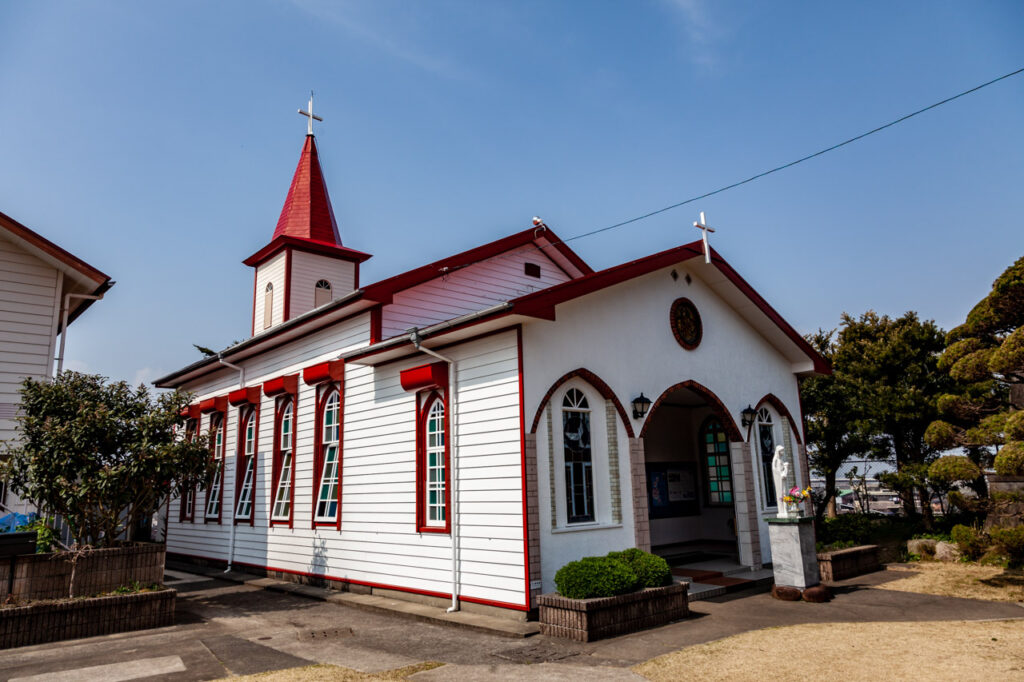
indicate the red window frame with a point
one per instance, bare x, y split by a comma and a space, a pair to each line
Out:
325, 391
223, 464
191, 428
279, 407
249, 411
424, 401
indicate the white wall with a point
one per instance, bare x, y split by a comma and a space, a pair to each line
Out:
308, 268
378, 542
470, 289
270, 272
623, 335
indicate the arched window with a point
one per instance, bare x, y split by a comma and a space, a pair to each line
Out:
434, 451
579, 476
284, 464
327, 494
216, 488
188, 497
322, 293
268, 305
714, 446
246, 464
766, 444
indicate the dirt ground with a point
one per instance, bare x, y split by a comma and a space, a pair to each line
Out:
992, 650
952, 579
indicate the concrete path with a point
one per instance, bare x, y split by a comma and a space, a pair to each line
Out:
225, 628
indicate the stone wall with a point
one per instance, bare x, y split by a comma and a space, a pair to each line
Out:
56, 621
48, 576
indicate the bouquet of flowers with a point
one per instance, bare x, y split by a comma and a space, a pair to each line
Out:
796, 496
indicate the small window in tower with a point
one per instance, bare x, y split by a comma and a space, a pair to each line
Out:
322, 293
268, 306
532, 270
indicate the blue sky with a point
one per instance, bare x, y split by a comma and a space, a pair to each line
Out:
157, 141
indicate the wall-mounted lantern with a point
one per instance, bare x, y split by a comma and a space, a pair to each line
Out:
640, 406
748, 415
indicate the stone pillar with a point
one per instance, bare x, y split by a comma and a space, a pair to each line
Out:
638, 480
744, 480
532, 519
794, 559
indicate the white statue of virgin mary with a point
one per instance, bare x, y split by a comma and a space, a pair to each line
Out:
780, 471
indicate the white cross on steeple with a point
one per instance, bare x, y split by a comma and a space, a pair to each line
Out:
703, 227
310, 114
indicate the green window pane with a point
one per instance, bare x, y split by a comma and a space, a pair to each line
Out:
727, 497
714, 486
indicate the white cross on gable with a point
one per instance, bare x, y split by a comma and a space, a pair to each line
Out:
703, 227
309, 114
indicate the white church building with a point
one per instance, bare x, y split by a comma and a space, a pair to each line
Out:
462, 430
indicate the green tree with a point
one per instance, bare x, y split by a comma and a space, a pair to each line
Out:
102, 455
834, 434
891, 366
984, 410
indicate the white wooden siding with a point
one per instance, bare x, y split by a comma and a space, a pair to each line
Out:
271, 272
378, 542
28, 300
473, 288
308, 268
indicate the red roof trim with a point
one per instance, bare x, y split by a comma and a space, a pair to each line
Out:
383, 290
51, 249
434, 375
310, 245
289, 383
332, 370
245, 396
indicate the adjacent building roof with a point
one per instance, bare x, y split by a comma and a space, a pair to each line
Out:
81, 275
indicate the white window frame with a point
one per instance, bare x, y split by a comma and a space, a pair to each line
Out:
217, 421
330, 447
436, 484
286, 451
765, 417
244, 508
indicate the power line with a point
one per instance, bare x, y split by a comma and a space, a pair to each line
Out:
734, 185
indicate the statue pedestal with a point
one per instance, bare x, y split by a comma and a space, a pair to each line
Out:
794, 558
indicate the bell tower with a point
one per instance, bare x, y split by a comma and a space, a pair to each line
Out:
305, 264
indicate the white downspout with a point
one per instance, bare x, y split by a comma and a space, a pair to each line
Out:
416, 340
64, 323
231, 537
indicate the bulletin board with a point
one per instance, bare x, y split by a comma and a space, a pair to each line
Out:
672, 489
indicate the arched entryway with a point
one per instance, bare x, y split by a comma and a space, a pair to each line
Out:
691, 492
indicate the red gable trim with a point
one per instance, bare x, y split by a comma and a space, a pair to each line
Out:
51, 249
288, 383
308, 245
382, 291
245, 396
434, 375
219, 404
332, 370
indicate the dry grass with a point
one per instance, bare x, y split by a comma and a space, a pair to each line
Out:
969, 581
986, 650
335, 673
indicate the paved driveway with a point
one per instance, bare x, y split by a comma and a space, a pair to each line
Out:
225, 628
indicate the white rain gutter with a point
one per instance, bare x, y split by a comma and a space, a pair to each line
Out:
224, 467
64, 323
416, 340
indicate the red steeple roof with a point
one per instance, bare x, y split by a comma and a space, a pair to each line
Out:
307, 212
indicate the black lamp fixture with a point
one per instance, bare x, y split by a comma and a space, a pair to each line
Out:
640, 406
748, 415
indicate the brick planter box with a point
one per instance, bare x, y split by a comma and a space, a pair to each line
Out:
48, 576
588, 619
847, 563
70, 619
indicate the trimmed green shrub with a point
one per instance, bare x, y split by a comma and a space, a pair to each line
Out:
651, 570
594, 576
1010, 460
953, 468
1010, 541
971, 542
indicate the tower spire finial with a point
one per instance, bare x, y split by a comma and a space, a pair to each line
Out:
310, 115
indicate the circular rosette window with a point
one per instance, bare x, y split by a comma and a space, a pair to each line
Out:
686, 325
